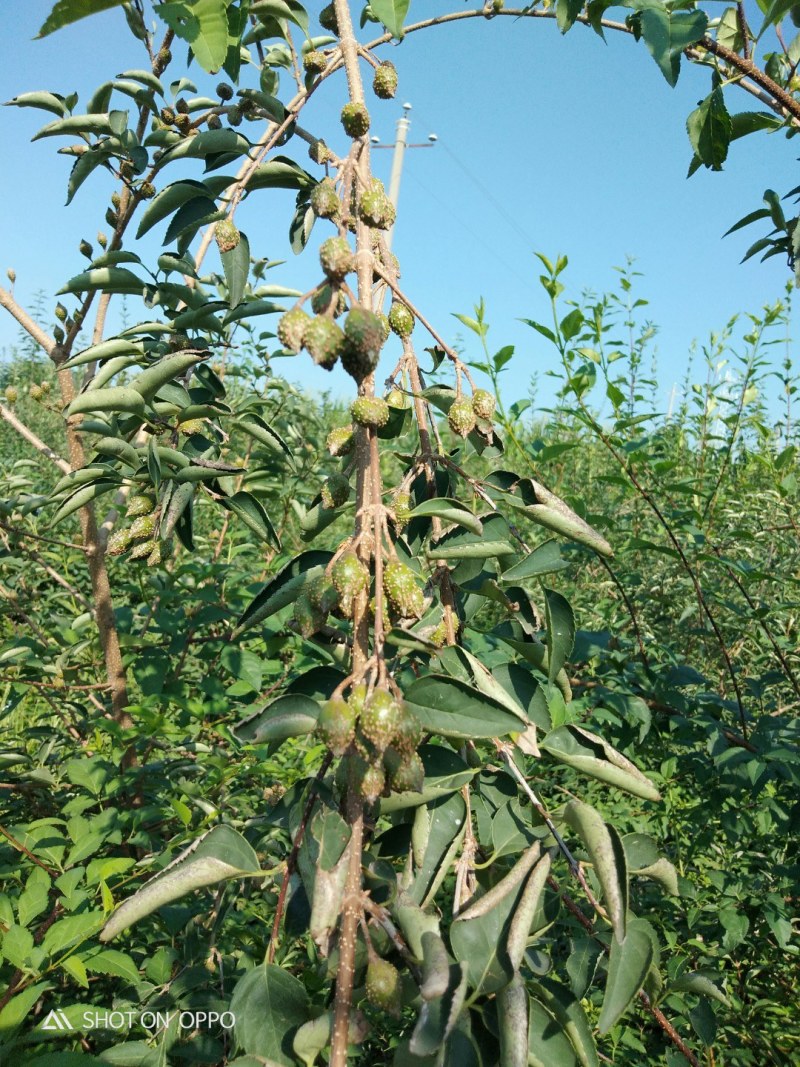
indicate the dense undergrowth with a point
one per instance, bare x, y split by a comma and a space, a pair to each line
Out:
687, 649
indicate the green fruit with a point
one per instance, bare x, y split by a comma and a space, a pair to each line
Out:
309, 619
35, 392
340, 441
118, 542
407, 732
384, 84
142, 504
358, 364
397, 399
320, 153
335, 491
350, 577
143, 549
291, 329
61, 312
144, 526
12, 395
157, 555
182, 106
370, 411
336, 725
375, 208
483, 404
401, 320
235, 116
402, 588
355, 119
438, 636
85, 249
324, 341
214, 122
378, 720
324, 597
358, 698
336, 258
402, 509
383, 986
367, 778
315, 62
325, 200
224, 91
147, 190
226, 235
364, 330
324, 297
406, 773
461, 417
327, 19
192, 426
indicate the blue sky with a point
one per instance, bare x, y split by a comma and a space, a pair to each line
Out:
580, 144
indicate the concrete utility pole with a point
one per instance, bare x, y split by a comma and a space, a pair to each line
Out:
400, 145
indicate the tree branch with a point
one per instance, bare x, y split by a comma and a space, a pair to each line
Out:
8, 415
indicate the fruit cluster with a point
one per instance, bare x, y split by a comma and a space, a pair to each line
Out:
378, 735
141, 538
465, 415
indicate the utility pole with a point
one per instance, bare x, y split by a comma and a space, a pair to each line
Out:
400, 145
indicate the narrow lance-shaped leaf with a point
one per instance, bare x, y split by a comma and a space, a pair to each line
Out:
236, 265
560, 624
608, 859
220, 854
590, 754
65, 12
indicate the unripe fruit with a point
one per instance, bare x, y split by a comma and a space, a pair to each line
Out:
438, 636
401, 587
61, 312
335, 491
375, 208
118, 542
35, 392
116, 200
384, 84
383, 986
378, 720
181, 106
355, 119
164, 57
340, 441
214, 122
102, 240
157, 555
324, 341
315, 62
336, 258
327, 19
336, 725
406, 773
11, 274
401, 319
292, 328
85, 249
224, 91
167, 116
309, 618
141, 504
324, 597
11, 394
350, 577
226, 235
364, 330
402, 509
45, 387
370, 411
325, 200
235, 116
143, 549
183, 122
483, 404
397, 399
367, 778
322, 299
407, 731
461, 417
320, 153
58, 335
192, 426
357, 698
144, 526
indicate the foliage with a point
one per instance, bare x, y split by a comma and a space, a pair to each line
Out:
335, 770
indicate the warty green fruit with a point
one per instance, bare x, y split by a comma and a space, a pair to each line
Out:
336, 491
384, 83
336, 258
324, 341
350, 577
401, 319
144, 526
402, 588
370, 411
324, 297
226, 235
308, 618
340, 441
461, 417
383, 986
315, 61
141, 504
325, 200
355, 119
406, 773
378, 720
483, 404
336, 725
291, 329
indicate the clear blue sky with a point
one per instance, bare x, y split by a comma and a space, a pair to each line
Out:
581, 144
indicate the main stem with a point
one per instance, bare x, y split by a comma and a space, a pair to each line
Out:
368, 491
